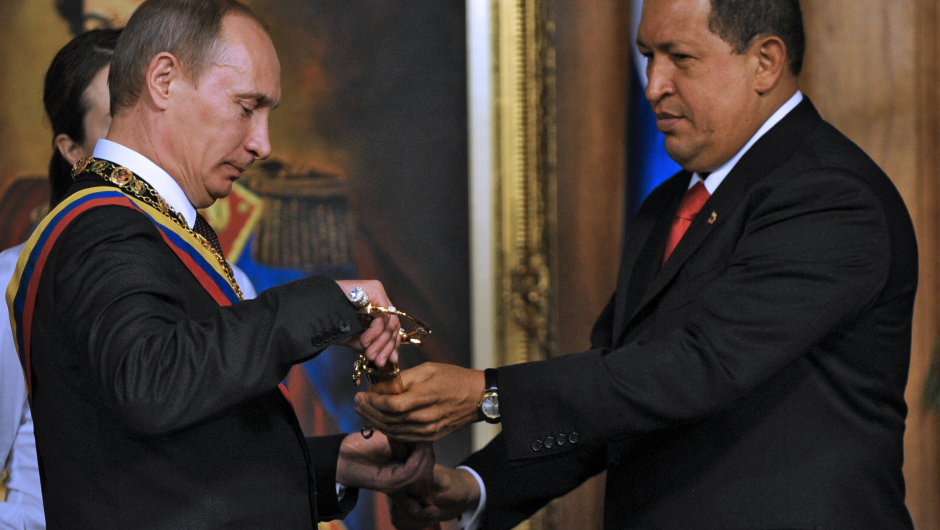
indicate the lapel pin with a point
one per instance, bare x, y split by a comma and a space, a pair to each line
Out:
714, 216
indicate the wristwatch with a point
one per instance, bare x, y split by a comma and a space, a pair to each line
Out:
489, 405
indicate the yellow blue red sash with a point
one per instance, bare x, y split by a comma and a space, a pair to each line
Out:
23, 288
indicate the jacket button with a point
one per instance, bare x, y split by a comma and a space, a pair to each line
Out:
574, 437
317, 339
549, 442
561, 439
344, 326
536, 446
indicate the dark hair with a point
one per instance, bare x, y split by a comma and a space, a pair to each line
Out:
189, 29
70, 73
739, 22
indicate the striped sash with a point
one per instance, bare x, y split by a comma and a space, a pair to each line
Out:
22, 291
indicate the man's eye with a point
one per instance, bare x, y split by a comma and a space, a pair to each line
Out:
247, 111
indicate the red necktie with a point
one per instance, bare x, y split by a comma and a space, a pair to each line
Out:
691, 203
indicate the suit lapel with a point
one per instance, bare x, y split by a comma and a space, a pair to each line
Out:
768, 153
647, 240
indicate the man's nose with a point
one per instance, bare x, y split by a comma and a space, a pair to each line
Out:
258, 142
659, 76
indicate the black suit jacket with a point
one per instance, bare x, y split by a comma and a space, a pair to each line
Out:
756, 380
154, 407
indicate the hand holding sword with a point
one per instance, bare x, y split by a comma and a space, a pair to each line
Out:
386, 379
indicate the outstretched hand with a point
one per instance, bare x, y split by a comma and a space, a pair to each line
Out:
451, 493
438, 400
380, 341
369, 463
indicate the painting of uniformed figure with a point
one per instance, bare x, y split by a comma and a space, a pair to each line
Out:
368, 175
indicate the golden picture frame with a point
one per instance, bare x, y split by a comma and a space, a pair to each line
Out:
511, 65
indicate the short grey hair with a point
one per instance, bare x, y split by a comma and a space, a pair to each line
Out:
191, 30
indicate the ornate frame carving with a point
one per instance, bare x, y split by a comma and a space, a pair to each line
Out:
513, 186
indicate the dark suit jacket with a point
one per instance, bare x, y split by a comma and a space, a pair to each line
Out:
154, 407
756, 380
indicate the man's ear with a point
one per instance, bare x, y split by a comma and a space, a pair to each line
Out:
771, 54
164, 72
69, 148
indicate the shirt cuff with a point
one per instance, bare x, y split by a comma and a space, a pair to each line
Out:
473, 519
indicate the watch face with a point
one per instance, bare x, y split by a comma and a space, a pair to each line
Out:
490, 407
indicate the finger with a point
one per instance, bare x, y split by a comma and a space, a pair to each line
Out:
393, 407
394, 357
428, 460
381, 349
404, 432
376, 292
383, 358
392, 428
416, 469
374, 348
416, 425
413, 376
373, 421
407, 432
396, 417
372, 332
391, 339
394, 327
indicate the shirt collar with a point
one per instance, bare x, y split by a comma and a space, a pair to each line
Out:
143, 167
716, 177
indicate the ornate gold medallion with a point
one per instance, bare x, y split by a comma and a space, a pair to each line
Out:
121, 176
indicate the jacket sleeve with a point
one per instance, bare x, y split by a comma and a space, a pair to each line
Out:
324, 455
515, 492
813, 254
163, 358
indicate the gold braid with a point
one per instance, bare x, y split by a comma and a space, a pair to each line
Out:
128, 182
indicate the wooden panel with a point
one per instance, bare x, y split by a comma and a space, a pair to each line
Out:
872, 69
592, 56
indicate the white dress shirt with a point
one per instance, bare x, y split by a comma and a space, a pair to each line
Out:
23, 506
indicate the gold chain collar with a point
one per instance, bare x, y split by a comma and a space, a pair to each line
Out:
128, 182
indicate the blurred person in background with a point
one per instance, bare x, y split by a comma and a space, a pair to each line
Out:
76, 103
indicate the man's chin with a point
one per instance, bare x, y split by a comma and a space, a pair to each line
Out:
677, 152
222, 192
222, 189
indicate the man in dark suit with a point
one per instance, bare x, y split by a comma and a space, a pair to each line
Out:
154, 388
749, 370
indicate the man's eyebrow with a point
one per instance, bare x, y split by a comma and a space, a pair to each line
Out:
678, 46
262, 100
663, 46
